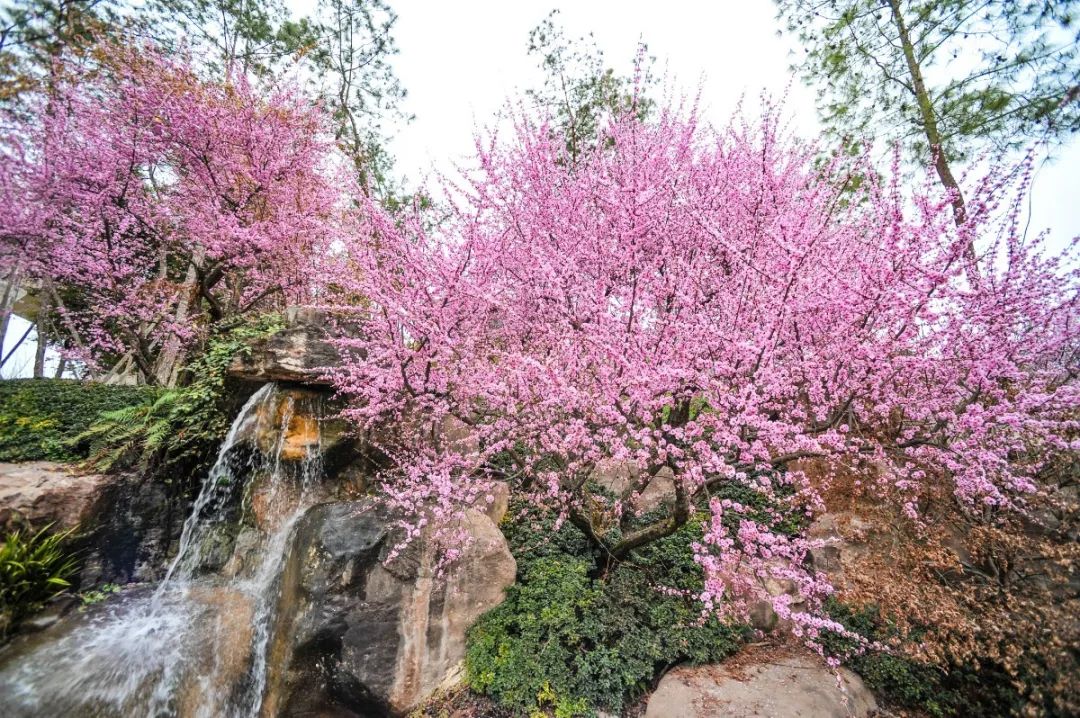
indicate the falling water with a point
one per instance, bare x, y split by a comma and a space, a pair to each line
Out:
211, 502
168, 652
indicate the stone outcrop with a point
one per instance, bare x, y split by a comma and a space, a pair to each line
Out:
299, 353
124, 523
375, 636
784, 685
620, 478
39, 493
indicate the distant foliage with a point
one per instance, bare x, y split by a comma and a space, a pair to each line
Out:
568, 641
34, 567
39, 417
962, 75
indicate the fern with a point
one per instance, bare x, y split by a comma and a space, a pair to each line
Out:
178, 427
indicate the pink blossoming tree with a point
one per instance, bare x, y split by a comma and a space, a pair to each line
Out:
164, 203
712, 307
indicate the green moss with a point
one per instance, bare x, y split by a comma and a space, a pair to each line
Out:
38, 417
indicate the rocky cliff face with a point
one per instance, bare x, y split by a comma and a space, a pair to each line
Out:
372, 635
300, 353
125, 524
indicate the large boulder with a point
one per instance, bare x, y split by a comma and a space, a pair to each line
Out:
299, 353
784, 685
125, 523
38, 493
374, 633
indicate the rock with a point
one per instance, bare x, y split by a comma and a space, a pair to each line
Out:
619, 478
658, 492
299, 353
38, 493
371, 636
784, 686
223, 657
126, 523
843, 541
763, 616
132, 530
500, 502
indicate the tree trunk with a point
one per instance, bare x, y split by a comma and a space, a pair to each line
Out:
43, 332
933, 138
71, 329
172, 356
42, 345
7, 302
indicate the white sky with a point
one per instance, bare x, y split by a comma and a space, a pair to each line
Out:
462, 61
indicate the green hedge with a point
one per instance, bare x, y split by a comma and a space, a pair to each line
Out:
39, 416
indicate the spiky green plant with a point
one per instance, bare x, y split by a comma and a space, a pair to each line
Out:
34, 567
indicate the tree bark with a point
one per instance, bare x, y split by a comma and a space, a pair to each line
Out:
933, 138
42, 345
171, 355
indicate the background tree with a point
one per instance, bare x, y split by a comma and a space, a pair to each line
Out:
339, 57
945, 78
580, 90
38, 41
343, 48
168, 204
351, 55
228, 36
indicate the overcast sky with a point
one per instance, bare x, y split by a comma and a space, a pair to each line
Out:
462, 61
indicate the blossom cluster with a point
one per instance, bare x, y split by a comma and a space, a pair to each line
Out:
719, 306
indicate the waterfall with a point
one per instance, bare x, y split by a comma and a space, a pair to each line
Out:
197, 644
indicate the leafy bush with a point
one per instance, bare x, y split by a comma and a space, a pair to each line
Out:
568, 642
179, 427
97, 595
34, 567
39, 416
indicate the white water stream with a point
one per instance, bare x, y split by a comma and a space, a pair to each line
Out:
197, 645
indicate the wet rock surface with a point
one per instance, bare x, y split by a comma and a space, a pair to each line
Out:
125, 524
300, 353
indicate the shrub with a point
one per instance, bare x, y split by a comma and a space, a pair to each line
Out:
939, 691
34, 567
39, 416
568, 641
